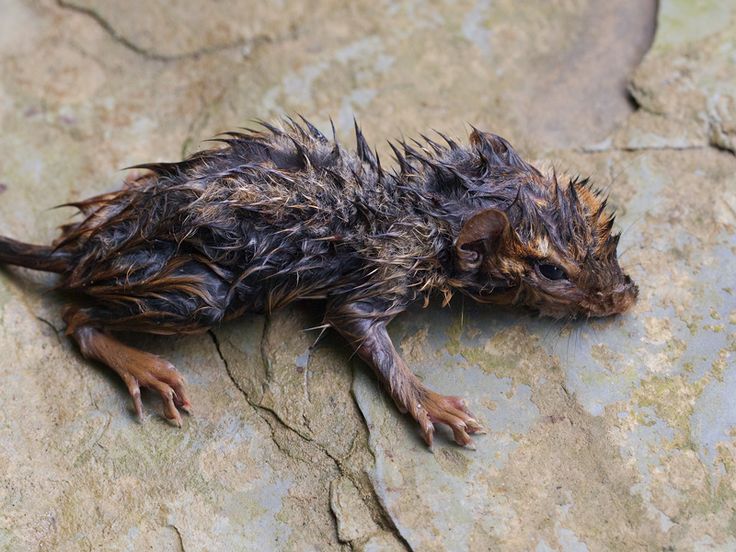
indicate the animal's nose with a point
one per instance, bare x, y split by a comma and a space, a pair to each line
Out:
634, 290
631, 287
628, 295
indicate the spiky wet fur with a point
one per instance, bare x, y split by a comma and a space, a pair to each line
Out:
280, 214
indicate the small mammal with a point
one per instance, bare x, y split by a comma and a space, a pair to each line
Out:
280, 214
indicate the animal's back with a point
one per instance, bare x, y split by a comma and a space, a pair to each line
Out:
270, 218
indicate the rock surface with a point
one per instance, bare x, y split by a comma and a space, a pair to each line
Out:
609, 435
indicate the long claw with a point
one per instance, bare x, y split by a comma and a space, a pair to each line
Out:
428, 434
452, 412
180, 398
460, 435
167, 396
474, 428
176, 381
172, 414
135, 394
138, 405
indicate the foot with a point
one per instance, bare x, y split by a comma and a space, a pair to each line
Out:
137, 369
160, 376
432, 408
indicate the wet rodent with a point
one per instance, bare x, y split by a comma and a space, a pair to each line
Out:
280, 214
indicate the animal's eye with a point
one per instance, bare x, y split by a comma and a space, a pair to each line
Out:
552, 272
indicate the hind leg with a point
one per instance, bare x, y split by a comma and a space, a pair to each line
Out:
136, 368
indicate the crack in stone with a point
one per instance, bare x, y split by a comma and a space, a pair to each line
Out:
270, 417
179, 536
387, 521
261, 409
336, 518
716, 141
50, 325
155, 56
634, 149
256, 405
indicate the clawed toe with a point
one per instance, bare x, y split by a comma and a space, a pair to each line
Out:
135, 394
461, 436
172, 400
426, 427
474, 428
163, 379
452, 412
137, 369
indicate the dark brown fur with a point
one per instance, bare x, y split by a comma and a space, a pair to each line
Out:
284, 214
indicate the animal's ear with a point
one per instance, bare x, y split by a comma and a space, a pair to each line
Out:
481, 235
494, 150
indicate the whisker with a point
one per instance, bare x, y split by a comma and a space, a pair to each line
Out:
633, 222
567, 349
620, 255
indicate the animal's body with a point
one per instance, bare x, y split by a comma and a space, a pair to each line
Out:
284, 214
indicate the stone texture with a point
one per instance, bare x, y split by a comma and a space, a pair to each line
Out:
686, 86
606, 435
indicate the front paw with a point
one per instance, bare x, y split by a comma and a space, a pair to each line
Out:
431, 408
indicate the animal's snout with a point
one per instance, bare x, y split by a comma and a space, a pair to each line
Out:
626, 297
614, 301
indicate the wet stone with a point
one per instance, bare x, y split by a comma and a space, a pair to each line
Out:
602, 435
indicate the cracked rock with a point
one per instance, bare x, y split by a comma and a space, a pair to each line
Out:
354, 521
604, 435
686, 85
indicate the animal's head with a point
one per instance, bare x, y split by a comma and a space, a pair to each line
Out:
550, 246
